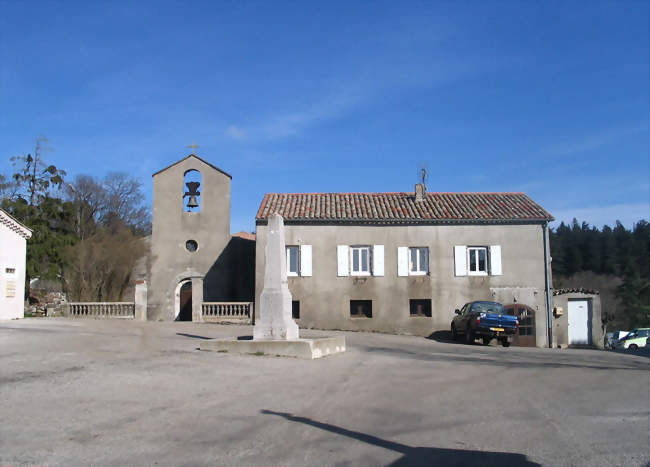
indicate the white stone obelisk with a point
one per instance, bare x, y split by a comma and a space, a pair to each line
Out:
275, 321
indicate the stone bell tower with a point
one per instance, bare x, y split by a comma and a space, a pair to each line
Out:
190, 230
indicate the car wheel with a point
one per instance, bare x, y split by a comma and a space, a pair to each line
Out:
486, 340
454, 333
633, 347
505, 343
469, 336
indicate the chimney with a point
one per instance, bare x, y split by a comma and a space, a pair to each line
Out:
420, 192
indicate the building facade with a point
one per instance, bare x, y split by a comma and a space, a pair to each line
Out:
577, 318
402, 263
193, 258
13, 254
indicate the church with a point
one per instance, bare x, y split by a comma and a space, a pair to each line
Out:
193, 257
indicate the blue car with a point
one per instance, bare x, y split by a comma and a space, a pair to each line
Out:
484, 320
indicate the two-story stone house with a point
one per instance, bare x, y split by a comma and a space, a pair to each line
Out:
403, 262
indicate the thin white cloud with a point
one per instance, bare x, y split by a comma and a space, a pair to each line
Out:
236, 132
290, 124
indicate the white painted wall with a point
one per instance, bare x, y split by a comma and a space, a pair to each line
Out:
13, 254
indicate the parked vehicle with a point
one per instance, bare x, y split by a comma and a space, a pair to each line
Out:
485, 320
612, 338
635, 339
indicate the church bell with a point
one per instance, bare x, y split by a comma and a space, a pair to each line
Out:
193, 192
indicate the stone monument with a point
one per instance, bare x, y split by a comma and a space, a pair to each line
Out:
275, 320
276, 333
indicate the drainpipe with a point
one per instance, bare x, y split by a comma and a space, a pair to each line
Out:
547, 286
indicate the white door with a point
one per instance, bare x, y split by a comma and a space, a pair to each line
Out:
578, 317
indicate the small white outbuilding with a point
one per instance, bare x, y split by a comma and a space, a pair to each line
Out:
13, 257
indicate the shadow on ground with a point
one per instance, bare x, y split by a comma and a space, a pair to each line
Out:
442, 336
418, 456
193, 336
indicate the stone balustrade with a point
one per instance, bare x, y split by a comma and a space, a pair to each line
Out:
101, 310
240, 312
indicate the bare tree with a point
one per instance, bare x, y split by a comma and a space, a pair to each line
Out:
118, 197
99, 268
89, 197
124, 200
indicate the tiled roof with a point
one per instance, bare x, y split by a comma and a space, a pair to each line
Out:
575, 290
402, 207
244, 235
13, 224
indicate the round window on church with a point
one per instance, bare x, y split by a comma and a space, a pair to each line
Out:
191, 246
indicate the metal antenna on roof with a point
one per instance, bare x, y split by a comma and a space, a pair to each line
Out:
423, 173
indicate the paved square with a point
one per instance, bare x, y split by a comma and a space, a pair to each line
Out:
80, 392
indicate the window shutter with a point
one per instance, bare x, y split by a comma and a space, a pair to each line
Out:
378, 260
305, 260
495, 260
460, 260
402, 261
343, 253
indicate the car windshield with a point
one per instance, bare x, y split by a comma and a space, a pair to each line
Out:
489, 307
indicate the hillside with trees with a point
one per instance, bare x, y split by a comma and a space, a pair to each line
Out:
614, 261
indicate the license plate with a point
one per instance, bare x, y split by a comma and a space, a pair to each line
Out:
497, 329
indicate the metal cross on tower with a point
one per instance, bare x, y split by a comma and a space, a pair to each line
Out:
193, 146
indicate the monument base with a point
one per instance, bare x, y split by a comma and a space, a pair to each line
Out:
298, 348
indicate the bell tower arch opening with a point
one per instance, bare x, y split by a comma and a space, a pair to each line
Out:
191, 194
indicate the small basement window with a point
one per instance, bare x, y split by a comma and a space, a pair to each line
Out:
10, 270
360, 308
295, 309
420, 308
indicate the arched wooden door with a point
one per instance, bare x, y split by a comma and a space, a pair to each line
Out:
185, 312
525, 336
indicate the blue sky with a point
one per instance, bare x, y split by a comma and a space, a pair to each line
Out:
549, 98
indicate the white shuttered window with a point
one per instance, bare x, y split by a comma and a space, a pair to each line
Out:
305, 260
477, 260
293, 260
460, 260
495, 260
360, 260
402, 261
343, 260
378, 260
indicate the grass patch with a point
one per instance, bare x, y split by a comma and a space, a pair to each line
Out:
222, 351
259, 353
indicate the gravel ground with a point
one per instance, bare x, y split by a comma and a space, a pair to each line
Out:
113, 392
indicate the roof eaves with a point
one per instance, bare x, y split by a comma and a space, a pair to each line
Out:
202, 160
16, 226
404, 221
